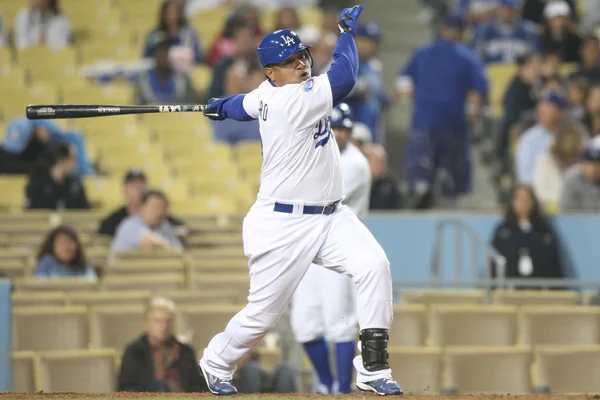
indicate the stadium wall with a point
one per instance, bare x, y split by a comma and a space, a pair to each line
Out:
409, 242
5, 338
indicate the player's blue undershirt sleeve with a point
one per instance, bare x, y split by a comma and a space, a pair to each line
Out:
344, 70
231, 107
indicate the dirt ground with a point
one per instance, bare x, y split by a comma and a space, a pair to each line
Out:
176, 396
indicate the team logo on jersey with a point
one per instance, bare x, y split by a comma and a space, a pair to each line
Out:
309, 85
324, 133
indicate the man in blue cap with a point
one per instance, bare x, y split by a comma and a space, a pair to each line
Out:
507, 38
445, 79
581, 188
368, 97
536, 140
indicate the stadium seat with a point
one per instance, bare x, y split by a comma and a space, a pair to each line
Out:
45, 64
104, 193
568, 369
55, 284
204, 321
144, 282
217, 252
418, 369
11, 78
97, 94
409, 326
534, 297
201, 76
83, 371
429, 297
14, 101
115, 326
15, 262
472, 325
109, 298
210, 23
499, 76
23, 372
13, 189
238, 282
197, 297
108, 47
146, 266
227, 265
210, 205
50, 328
559, 325
23, 299
490, 370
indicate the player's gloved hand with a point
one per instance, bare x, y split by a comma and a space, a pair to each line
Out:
349, 18
212, 111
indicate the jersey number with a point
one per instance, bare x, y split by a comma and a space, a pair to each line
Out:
323, 133
263, 110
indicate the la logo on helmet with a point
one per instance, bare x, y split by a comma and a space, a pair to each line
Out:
288, 40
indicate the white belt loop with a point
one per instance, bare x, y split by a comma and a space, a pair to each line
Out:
298, 207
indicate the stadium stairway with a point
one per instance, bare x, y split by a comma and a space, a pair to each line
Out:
411, 30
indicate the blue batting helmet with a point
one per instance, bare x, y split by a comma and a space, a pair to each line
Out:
341, 117
278, 46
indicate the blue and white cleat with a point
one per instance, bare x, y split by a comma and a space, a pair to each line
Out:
218, 386
383, 387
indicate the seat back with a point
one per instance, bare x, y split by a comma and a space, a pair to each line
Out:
23, 373
115, 326
23, 299
568, 369
535, 297
561, 325
106, 298
409, 326
429, 297
418, 369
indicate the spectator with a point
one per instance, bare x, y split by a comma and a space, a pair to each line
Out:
186, 48
368, 97
26, 141
40, 24
527, 240
577, 90
520, 96
448, 80
157, 361
321, 53
505, 39
591, 118
558, 35
61, 254
549, 168
148, 229
288, 18
589, 67
477, 11
536, 140
163, 84
581, 188
361, 136
551, 62
384, 190
134, 186
331, 17
592, 15
243, 55
52, 185
534, 10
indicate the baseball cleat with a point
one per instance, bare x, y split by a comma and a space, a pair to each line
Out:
218, 386
383, 387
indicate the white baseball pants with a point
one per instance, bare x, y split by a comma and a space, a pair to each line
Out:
281, 247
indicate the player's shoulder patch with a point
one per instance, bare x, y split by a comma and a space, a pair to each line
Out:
309, 85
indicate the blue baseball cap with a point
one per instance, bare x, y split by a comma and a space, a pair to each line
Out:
369, 30
557, 98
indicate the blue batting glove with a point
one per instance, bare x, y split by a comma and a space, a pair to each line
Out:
213, 111
349, 18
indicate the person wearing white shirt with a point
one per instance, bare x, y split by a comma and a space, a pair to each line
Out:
40, 24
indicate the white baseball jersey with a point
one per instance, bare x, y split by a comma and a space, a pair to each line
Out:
357, 180
301, 161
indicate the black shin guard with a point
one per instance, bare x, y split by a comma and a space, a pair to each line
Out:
373, 343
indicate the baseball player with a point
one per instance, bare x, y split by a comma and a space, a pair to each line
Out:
325, 302
298, 218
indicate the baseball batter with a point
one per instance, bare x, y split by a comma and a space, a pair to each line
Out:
324, 305
298, 218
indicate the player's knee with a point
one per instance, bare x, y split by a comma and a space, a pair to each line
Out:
377, 264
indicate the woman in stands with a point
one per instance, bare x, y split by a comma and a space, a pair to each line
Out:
53, 185
186, 49
61, 255
527, 240
40, 24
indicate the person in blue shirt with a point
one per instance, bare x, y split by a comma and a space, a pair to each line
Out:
476, 11
506, 38
61, 255
179, 33
164, 84
368, 98
449, 84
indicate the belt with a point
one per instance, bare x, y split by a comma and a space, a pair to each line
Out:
289, 208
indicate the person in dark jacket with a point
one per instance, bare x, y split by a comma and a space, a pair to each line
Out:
52, 185
157, 361
527, 240
558, 35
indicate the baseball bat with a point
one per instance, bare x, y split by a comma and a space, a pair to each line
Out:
63, 111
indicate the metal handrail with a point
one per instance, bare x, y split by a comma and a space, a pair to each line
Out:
477, 242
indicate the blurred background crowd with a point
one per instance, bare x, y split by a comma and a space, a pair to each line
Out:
464, 104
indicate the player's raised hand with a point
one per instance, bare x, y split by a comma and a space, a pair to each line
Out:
349, 18
212, 110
